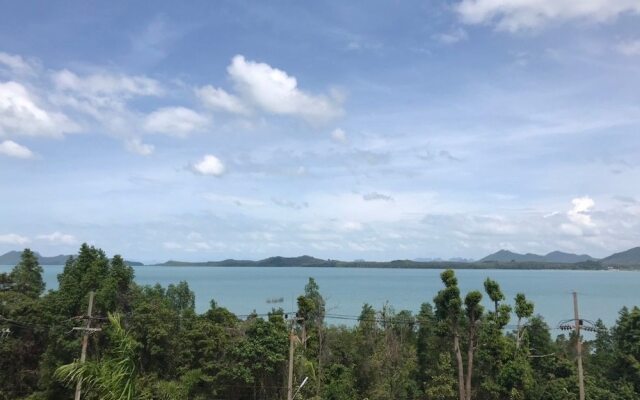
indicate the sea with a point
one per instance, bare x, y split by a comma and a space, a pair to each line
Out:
243, 290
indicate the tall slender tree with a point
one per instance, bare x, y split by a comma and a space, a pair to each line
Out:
449, 312
26, 277
524, 309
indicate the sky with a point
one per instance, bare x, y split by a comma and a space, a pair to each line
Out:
370, 129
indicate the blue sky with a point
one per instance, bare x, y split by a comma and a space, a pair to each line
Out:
376, 130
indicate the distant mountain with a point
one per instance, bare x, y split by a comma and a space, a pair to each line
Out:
624, 258
438, 259
13, 257
562, 257
553, 257
302, 261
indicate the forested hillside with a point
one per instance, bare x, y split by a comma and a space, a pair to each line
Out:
147, 342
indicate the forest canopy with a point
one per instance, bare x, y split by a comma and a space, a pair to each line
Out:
148, 342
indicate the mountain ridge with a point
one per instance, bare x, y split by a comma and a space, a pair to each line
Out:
13, 257
501, 259
623, 258
551, 257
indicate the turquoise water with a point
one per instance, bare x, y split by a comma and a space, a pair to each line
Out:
245, 289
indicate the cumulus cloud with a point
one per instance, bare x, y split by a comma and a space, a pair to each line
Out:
510, 15
219, 100
175, 121
276, 92
21, 114
629, 47
579, 214
579, 217
58, 238
105, 97
339, 135
14, 238
13, 149
209, 165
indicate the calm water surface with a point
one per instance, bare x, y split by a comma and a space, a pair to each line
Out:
245, 289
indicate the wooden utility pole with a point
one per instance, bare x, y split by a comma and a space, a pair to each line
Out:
291, 352
85, 342
576, 317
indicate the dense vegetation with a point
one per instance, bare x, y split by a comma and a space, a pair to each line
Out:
153, 345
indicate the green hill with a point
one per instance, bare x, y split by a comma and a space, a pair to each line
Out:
625, 258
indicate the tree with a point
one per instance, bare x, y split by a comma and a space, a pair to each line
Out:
492, 288
524, 309
496, 349
449, 312
442, 384
311, 308
114, 376
181, 298
426, 345
473, 310
626, 336
27, 275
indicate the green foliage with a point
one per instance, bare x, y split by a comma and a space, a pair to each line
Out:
26, 277
442, 383
492, 288
524, 308
447, 301
155, 346
114, 376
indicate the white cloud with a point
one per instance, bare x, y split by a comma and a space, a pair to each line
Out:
59, 238
220, 100
629, 48
451, 37
13, 149
175, 121
515, 15
20, 114
107, 84
135, 145
579, 217
16, 64
276, 92
209, 165
13, 238
339, 135
579, 214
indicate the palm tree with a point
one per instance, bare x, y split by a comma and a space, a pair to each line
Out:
113, 377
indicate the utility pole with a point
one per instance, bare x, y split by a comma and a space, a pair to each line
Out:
293, 338
578, 323
85, 342
291, 351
